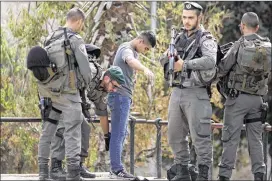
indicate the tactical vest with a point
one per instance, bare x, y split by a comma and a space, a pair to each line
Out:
253, 65
54, 45
189, 49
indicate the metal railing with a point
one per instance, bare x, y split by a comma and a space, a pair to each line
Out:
158, 123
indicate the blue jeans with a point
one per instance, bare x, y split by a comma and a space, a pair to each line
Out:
119, 106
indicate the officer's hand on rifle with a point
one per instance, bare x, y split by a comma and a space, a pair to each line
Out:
169, 54
107, 141
178, 64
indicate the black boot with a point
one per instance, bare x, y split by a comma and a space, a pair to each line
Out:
182, 173
43, 172
193, 172
258, 176
203, 173
222, 178
57, 172
73, 173
85, 173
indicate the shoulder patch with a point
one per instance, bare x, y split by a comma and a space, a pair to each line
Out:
210, 45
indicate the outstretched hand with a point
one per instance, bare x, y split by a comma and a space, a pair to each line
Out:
149, 75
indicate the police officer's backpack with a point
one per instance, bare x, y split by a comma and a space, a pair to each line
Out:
253, 66
38, 62
254, 57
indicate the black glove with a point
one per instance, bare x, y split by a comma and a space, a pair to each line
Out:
107, 141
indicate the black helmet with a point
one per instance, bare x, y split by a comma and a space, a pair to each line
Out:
93, 50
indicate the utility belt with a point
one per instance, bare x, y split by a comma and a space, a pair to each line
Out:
46, 107
180, 86
208, 88
264, 111
233, 93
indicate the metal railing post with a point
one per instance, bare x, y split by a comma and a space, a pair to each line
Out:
211, 168
265, 143
132, 123
158, 147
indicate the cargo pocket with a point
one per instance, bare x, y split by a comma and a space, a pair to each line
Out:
226, 134
204, 128
205, 109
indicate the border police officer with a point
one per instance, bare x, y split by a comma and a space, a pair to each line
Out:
60, 98
189, 107
102, 83
247, 65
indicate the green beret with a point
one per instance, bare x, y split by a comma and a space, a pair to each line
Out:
192, 6
116, 74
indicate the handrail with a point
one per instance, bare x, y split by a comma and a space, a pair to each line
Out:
158, 123
96, 120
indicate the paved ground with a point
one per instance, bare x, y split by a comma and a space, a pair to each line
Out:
31, 177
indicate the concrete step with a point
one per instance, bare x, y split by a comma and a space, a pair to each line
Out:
99, 176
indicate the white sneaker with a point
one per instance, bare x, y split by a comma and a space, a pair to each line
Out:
120, 174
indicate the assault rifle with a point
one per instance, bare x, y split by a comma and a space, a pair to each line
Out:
172, 56
68, 55
222, 50
222, 84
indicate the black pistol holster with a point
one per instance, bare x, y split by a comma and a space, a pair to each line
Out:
45, 106
264, 110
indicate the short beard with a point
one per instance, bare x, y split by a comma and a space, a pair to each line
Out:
194, 27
